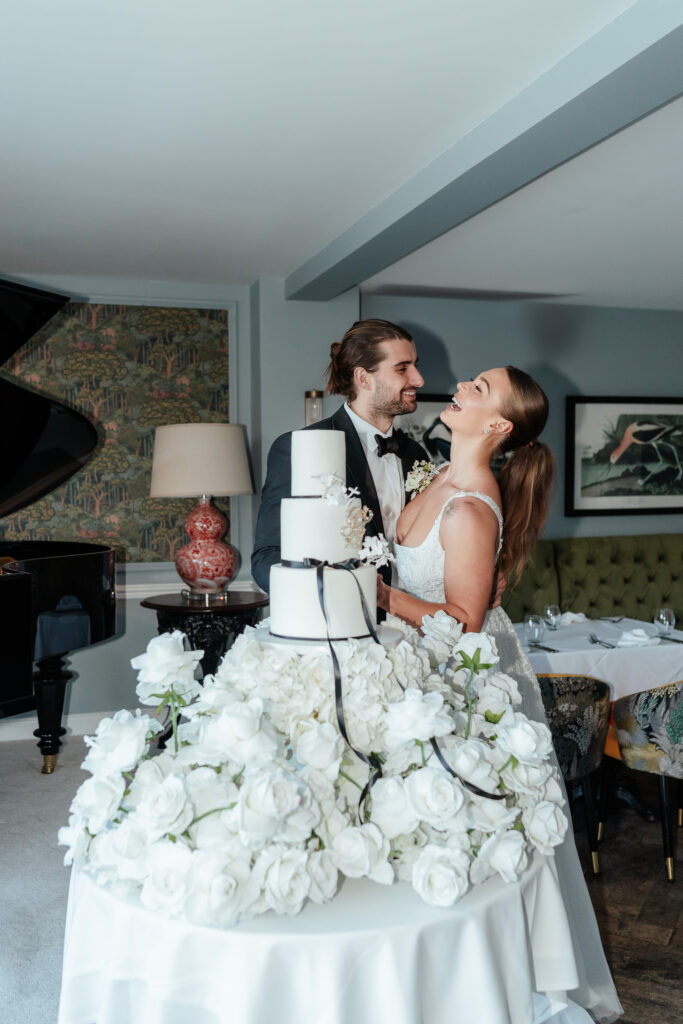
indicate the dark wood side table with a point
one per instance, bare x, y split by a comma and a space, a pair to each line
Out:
211, 627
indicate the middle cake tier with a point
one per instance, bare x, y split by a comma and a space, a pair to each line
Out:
314, 528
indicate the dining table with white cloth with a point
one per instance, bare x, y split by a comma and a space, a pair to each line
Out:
375, 954
626, 669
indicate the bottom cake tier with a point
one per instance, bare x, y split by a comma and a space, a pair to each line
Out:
295, 607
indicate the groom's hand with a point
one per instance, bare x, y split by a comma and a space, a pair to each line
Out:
498, 589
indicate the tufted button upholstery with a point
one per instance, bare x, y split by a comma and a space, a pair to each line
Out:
603, 576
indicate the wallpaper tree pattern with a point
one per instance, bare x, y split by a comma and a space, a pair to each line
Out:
129, 369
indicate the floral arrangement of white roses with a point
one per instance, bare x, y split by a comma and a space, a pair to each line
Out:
259, 804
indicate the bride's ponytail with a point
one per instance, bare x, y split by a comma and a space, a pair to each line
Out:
525, 480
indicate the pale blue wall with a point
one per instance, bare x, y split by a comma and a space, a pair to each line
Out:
570, 350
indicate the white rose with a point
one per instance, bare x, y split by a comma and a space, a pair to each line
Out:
506, 684
319, 745
324, 876
165, 806
472, 762
441, 632
97, 800
526, 778
545, 825
362, 851
434, 796
268, 796
407, 847
219, 888
298, 826
74, 836
167, 664
118, 743
409, 663
124, 848
284, 878
440, 875
469, 643
491, 815
165, 887
154, 770
419, 716
503, 852
529, 742
239, 732
391, 810
493, 704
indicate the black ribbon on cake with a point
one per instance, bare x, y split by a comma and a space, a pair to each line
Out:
372, 760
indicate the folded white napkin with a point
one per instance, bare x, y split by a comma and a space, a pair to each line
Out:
637, 638
567, 618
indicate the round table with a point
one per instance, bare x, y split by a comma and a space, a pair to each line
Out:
374, 955
209, 627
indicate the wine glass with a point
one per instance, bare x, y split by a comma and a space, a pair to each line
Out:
551, 616
534, 628
664, 620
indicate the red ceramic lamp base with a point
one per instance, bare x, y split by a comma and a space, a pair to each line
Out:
206, 564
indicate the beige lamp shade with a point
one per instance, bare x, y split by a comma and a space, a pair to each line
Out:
191, 459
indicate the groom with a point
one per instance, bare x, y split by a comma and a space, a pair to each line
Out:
375, 366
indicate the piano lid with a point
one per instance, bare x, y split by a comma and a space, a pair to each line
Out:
43, 442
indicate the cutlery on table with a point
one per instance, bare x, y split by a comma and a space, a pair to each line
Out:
672, 639
597, 640
618, 618
542, 647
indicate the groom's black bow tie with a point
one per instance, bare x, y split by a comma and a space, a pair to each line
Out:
389, 445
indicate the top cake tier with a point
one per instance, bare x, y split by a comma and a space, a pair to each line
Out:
316, 453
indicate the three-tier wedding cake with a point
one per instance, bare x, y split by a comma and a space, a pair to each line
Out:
321, 523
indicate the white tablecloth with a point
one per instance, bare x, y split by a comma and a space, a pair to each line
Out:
626, 669
375, 955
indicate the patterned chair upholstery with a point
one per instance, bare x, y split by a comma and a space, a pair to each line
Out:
577, 709
650, 734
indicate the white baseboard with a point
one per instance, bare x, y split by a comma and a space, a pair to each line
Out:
21, 727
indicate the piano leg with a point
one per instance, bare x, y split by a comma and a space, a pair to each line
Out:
49, 684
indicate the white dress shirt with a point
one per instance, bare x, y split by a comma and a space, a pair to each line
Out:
386, 472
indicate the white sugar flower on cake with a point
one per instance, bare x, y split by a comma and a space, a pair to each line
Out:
376, 551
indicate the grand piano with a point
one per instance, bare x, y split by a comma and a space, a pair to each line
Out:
55, 596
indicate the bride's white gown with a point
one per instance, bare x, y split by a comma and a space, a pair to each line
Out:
421, 573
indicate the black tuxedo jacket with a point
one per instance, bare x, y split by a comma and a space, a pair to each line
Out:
278, 485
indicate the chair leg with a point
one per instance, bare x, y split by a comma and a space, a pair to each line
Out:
667, 822
606, 786
591, 821
680, 803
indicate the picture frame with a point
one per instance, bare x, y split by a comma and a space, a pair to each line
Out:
624, 456
425, 427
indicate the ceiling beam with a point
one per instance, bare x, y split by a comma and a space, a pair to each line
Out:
623, 73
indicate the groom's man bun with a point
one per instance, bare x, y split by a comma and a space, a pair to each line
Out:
359, 347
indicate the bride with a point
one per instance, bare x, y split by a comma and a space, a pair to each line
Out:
450, 547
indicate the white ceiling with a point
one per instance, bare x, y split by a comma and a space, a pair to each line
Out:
221, 142
606, 228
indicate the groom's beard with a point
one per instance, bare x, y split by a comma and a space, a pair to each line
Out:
389, 403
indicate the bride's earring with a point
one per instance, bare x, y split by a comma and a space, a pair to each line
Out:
487, 430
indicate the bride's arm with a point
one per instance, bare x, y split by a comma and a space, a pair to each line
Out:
469, 536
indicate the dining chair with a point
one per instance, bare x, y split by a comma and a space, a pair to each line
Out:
650, 735
577, 709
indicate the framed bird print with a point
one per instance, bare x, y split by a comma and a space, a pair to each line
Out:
623, 456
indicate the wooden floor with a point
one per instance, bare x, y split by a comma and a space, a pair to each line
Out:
639, 913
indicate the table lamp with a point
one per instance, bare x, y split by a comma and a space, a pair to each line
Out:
202, 460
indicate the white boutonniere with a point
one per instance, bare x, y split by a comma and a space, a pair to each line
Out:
420, 476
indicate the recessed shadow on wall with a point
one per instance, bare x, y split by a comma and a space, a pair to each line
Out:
434, 359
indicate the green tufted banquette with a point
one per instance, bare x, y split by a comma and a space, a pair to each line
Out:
602, 576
